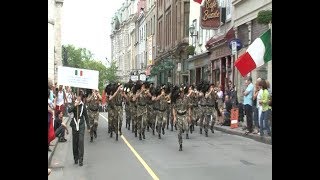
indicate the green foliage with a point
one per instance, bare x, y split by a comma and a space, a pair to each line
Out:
111, 73
98, 66
190, 50
154, 71
166, 65
83, 58
264, 16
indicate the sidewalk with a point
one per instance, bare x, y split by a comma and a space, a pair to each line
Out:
54, 143
239, 132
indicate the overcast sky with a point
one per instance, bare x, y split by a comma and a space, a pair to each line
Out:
87, 24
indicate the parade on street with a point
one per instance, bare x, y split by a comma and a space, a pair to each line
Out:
159, 89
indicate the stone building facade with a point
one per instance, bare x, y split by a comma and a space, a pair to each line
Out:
247, 29
54, 38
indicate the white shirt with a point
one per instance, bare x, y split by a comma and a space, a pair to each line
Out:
220, 94
50, 103
69, 97
60, 99
259, 97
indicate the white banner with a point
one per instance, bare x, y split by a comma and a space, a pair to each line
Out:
75, 77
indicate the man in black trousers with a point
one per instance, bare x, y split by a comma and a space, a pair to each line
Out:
78, 128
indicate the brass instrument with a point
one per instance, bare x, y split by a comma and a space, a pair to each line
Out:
167, 98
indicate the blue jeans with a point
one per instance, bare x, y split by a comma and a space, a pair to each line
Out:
255, 116
264, 122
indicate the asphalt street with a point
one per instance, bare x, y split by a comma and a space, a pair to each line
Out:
220, 156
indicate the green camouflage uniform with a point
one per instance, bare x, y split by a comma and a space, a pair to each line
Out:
128, 112
182, 106
133, 112
202, 110
150, 114
112, 115
141, 113
118, 106
210, 112
155, 107
93, 113
162, 115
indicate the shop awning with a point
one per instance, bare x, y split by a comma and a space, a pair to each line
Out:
220, 39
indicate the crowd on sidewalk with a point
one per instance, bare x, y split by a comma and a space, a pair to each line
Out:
58, 100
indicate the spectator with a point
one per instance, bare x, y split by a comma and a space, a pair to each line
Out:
59, 127
70, 98
232, 93
61, 99
256, 107
265, 109
51, 135
220, 104
269, 117
227, 111
247, 102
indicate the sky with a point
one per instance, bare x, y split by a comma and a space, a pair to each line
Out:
87, 24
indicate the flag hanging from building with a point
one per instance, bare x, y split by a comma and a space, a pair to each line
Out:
257, 54
76, 72
198, 1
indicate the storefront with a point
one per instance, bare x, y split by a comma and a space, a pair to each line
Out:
199, 68
220, 59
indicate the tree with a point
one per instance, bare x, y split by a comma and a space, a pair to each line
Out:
111, 75
98, 66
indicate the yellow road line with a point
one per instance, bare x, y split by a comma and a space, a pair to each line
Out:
145, 165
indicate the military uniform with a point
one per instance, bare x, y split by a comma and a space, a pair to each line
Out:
112, 116
150, 115
133, 112
128, 113
194, 110
78, 127
155, 107
162, 115
210, 111
202, 110
117, 124
181, 108
141, 113
93, 113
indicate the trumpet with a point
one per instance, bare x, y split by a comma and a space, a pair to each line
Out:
146, 91
167, 98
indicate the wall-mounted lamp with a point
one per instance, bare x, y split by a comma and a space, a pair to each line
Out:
193, 32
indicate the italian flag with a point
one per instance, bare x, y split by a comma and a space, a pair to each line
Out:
257, 54
198, 1
76, 72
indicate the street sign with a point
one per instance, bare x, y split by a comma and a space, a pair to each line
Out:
235, 45
142, 77
134, 78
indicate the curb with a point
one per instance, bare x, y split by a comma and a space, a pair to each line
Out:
266, 140
54, 143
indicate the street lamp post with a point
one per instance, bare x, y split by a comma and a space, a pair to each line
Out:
192, 32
